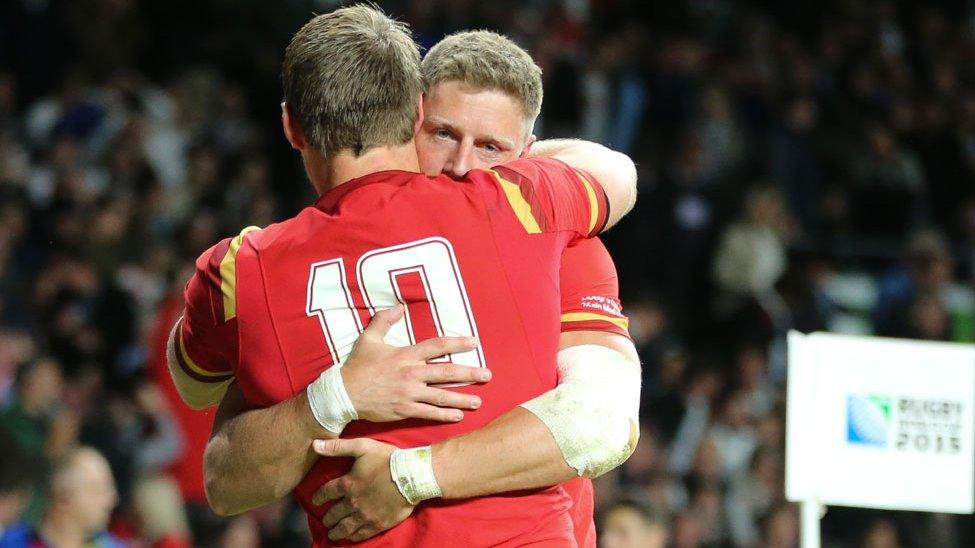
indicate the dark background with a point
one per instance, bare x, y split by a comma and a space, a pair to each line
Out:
803, 165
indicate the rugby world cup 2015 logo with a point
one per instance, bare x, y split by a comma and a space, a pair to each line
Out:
868, 419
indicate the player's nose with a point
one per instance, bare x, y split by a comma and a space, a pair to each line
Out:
462, 161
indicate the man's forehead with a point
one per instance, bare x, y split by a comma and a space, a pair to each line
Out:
486, 113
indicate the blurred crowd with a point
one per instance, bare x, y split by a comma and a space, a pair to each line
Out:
803, 165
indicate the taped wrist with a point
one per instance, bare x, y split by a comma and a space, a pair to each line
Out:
329, 402
594, 411
412, 472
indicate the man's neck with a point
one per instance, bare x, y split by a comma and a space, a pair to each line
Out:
59, 529
340, 168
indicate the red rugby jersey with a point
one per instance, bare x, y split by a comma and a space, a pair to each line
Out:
590, 301
479, 257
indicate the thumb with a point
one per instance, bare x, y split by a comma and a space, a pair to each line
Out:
384, 319
341, 447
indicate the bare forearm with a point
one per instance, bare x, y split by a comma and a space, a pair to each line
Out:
515, 451
260, 455
551, 148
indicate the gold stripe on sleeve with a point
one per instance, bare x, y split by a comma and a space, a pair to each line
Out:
593, 202
622, 323
228, 275
520, 206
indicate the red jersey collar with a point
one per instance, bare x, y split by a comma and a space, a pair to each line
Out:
328, 201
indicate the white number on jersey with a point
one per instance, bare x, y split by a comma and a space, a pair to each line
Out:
385, 276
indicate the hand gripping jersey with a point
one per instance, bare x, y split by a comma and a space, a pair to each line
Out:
478, 257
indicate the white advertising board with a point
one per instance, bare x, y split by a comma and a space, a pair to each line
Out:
880, 423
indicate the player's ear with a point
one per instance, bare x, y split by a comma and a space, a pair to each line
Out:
528, 146
292, 131
419, 115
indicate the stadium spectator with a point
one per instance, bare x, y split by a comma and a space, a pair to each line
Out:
749, 261
912, 298
780, 528
152, 131
688, 531
82, 496
732, 434
882, 533
17, 476
633, 523
41, 428
752, 495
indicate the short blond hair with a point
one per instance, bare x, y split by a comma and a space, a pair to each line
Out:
486, 60
352, 79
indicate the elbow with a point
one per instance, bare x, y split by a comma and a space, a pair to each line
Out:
615, 445
215, 485
225, 501
224, 511
217, 497
220, 504
592, 434
222, 501
594, 412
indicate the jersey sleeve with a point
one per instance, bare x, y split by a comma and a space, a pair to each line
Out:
548, 196
205, 338
590, 290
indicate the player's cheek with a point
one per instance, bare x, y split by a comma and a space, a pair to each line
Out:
487, 159
432, 155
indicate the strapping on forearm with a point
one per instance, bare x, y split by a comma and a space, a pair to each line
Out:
329, 401
412, 472
594, 412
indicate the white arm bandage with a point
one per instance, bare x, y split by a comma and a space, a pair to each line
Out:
594, 411
329, 402
412, 472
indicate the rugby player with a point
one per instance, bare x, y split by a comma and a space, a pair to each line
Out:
346, 75
482, 95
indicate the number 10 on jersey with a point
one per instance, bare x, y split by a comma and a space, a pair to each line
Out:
423, 275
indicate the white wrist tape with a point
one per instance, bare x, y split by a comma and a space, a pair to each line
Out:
329, 402
594, 412
412, 472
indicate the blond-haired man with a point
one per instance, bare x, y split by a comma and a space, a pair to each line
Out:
272, 308
482, 95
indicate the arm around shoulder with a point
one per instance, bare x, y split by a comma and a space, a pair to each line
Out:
614, 171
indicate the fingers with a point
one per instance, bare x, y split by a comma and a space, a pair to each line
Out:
341, 510
344, 528
355, 447
335, 489
449, 372
364, 532
382, 321
433, 413
441, 346
447, 398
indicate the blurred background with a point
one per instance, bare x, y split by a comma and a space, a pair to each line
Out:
803, 165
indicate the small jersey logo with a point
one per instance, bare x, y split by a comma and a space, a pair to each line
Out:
868, 419
605, 305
